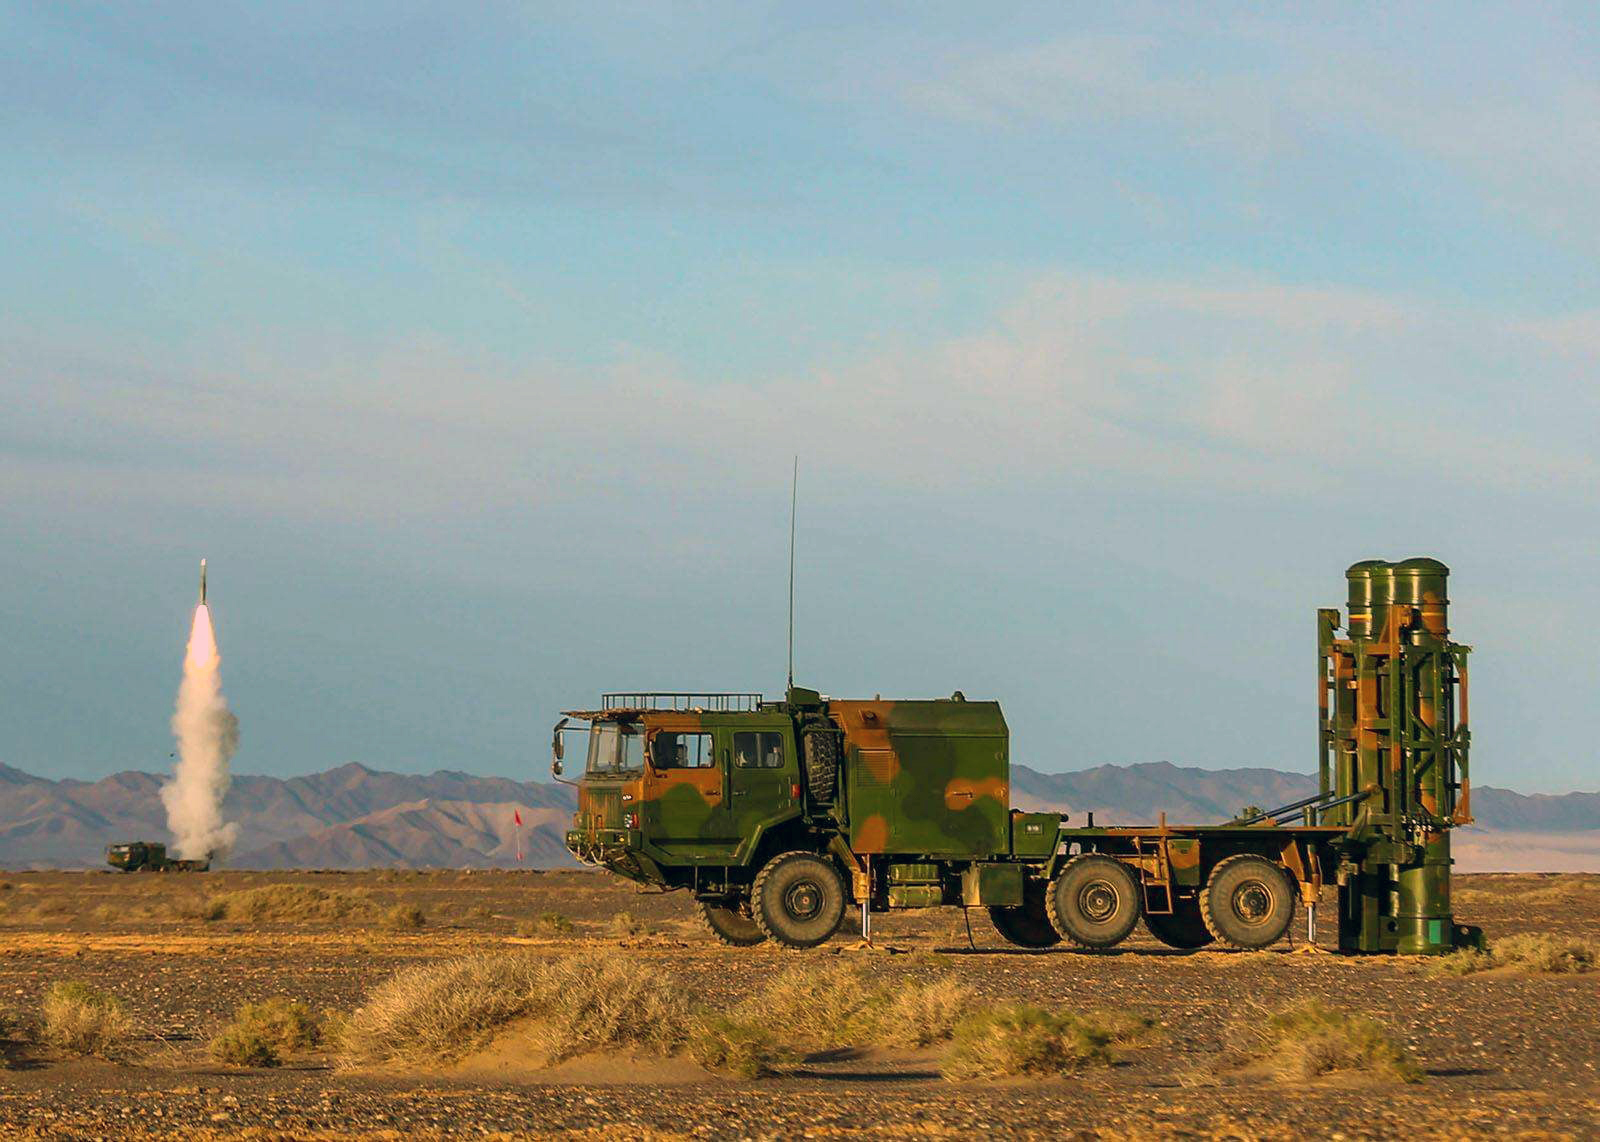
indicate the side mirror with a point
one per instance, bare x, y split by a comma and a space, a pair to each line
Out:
557, 747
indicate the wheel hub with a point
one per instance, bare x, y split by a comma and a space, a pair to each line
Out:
1098, 901
1252, 902
803, 900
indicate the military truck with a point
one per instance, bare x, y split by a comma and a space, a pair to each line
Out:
150, 856
779, 815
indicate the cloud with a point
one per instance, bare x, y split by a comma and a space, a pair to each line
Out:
1503, 101
1238, 384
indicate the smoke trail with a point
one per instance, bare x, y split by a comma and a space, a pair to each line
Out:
207, 734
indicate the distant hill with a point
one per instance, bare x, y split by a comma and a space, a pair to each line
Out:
1137, 794
349, 817
356, 817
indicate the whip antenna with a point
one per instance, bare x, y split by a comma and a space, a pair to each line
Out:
794, 499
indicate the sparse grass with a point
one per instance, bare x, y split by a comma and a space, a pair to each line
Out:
921, 1014
841, 1005
404, 917
274, 903
264, 1034
1528, 951
627, 926
10, 1032
546, 924
446, 1009
1564, 891
1025, 1040
1311, 1039
738, 1047
83, 1020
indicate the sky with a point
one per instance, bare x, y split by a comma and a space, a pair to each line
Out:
473, 345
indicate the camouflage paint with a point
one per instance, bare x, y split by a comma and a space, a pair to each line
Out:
926, 777
1389, 727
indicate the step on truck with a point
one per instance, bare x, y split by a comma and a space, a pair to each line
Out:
779, 816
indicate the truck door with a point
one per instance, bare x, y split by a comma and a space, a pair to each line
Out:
687, 792
764, 775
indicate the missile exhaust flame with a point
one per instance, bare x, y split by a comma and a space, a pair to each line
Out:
207, 734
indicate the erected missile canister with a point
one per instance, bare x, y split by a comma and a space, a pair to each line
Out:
1428, 728
1393, 742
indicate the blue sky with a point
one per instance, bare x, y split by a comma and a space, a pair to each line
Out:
472, 343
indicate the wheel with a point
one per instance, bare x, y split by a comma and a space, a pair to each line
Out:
822, 763
798, 899
1094, 901
1027, 925
734, 926
1248, 902
1183, 927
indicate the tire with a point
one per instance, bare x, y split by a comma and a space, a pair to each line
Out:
1248, 902
822, 763
1183, 928
798, 899
1095, 901
1028, 924
733, 926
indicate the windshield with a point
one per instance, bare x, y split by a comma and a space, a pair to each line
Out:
616, 747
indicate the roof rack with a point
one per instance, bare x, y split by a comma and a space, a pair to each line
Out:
670, 700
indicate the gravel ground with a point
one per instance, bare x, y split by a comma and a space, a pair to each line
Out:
1503, 1053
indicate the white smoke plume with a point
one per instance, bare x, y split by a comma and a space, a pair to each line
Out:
207, 734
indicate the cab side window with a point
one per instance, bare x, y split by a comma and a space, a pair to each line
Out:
758, 750
682, 751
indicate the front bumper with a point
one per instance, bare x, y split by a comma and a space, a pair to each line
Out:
617, 850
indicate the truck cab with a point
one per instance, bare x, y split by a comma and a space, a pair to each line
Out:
673, 785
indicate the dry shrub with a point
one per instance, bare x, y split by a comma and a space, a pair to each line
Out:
841, 1005
545, 924
264, 1034
627, 926
404, 917
200, 908
1529, 951
446, 1009
1311, 1039
1023, 1040
1125, 1028
1563, 891
272, 903
83, 1020
10, 1031
736, 1046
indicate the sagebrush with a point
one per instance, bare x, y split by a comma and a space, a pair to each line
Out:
83, 1020
1527, 951
1311, 1039
445, 1010
1023, 1040
265, 1034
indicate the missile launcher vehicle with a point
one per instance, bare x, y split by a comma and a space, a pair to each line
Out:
780, 815
150, 856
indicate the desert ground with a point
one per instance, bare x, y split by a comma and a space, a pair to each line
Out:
1504, 1051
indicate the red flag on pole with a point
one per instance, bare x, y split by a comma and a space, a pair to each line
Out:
518, 814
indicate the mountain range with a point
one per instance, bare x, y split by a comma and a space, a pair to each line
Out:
356, 817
